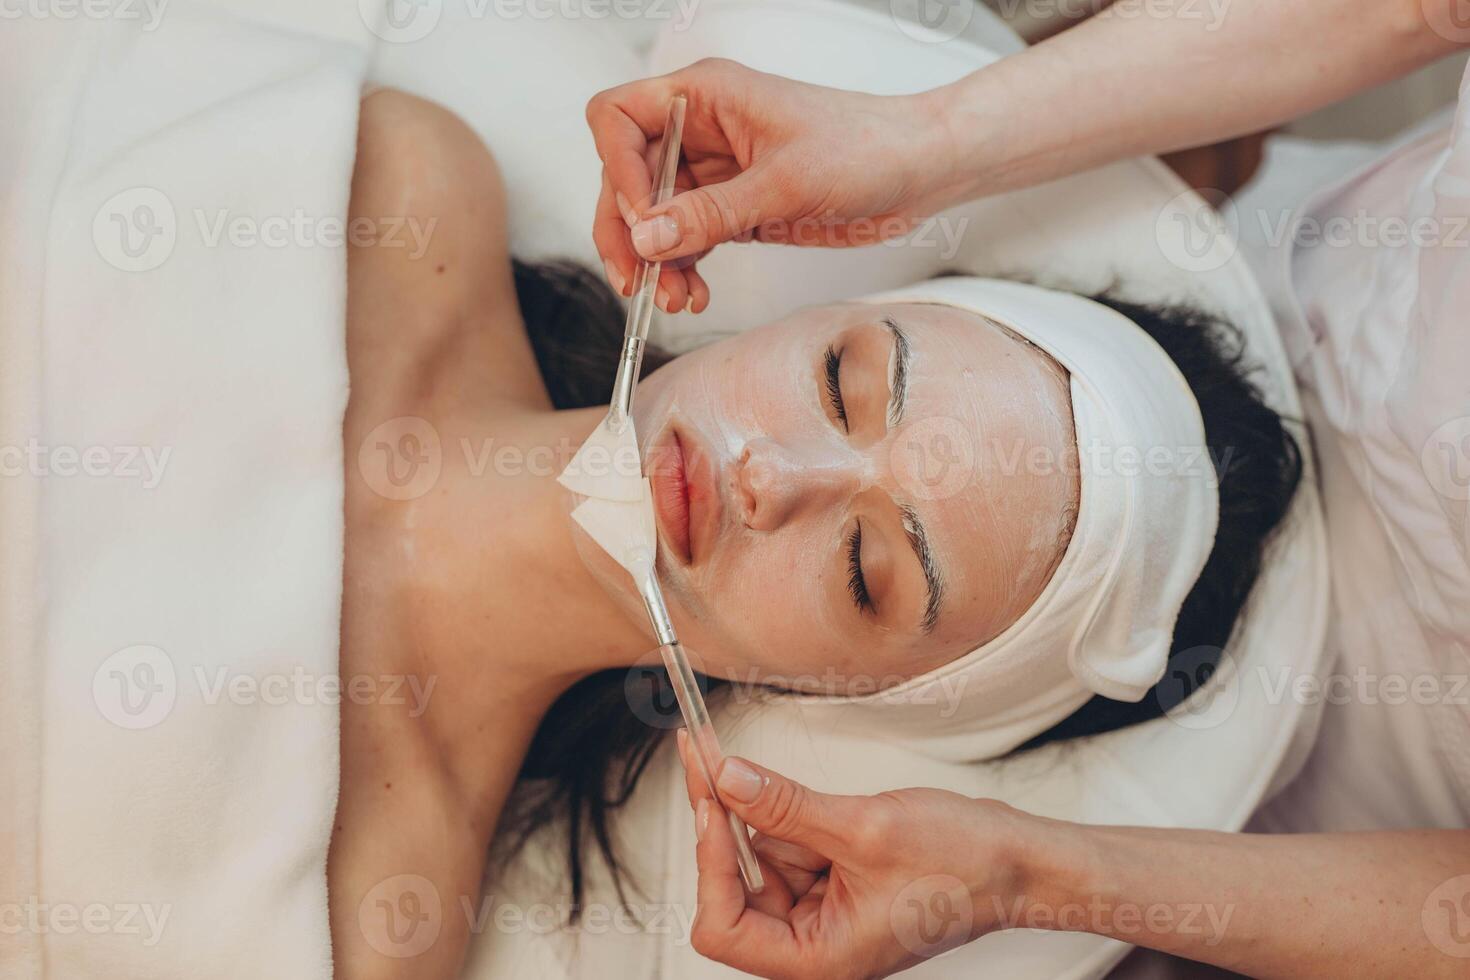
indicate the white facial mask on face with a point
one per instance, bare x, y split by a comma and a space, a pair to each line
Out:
1148, 511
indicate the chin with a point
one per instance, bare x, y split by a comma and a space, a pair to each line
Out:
612, 577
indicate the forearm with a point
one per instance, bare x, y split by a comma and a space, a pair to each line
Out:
1321, 905
1152, 76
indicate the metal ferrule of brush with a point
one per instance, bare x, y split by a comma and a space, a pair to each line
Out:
658, 613
626, 379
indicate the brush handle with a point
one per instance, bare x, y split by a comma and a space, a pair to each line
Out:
645, 276
676, 662
696, 714
707, 753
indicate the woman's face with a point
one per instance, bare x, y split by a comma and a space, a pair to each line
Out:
857, 493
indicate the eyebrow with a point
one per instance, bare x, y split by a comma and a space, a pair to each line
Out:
900, 380
933, 579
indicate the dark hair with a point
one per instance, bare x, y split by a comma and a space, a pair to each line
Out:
1258, 464
593, 745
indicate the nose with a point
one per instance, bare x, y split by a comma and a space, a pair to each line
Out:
776, 483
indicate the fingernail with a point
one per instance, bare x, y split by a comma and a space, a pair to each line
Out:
740, 782
656, 234
614, 277
661, 300
683, 737
630, 217
701, 819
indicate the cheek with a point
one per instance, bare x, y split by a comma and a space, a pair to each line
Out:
773, 606
778, 607
755, 384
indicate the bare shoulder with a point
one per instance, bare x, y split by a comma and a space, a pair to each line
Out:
419, 162
425, 152
430, 288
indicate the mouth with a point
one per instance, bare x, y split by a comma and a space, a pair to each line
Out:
684, 502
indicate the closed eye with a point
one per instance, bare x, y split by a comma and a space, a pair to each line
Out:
857, 585
833, 362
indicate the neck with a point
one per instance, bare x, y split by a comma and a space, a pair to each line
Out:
553, 621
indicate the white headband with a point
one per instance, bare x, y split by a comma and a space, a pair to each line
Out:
1145, 525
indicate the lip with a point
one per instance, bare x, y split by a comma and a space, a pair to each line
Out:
670, 486
684, 502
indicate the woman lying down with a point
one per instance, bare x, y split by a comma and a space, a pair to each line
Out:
1118, 479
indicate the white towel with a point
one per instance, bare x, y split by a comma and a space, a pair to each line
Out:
172, 499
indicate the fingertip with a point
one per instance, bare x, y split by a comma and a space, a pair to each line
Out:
630, 217
714, 846
701, 819
615, 278
673, 293
698, 291
658, 237
610, 238
681, 739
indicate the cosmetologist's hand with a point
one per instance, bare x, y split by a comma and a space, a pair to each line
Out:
765, 157
856, 886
